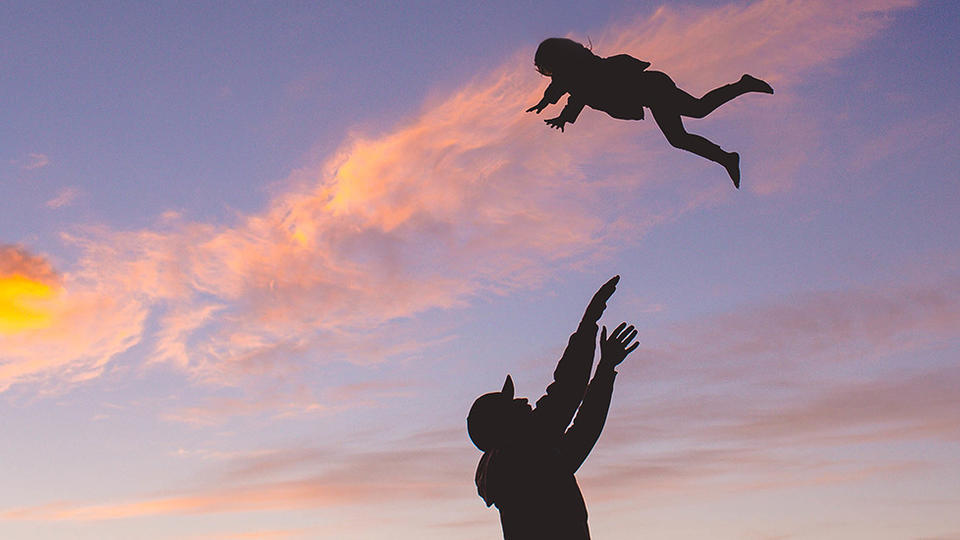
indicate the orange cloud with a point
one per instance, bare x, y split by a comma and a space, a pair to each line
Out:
54, 326
276, 496
20, 306
16, 260
469, 196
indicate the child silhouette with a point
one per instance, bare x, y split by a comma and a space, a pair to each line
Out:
621, 86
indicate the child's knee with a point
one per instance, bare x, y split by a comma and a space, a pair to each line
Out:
677, 140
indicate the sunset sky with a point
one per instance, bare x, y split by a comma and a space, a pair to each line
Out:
258, 259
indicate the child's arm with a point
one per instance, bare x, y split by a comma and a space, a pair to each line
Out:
551, 95
568, 114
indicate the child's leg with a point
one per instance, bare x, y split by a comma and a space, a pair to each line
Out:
698, 108
672, 127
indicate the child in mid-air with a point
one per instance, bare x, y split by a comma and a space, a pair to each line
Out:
621, 86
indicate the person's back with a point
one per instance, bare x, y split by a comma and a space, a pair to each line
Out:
618, 85
535, 491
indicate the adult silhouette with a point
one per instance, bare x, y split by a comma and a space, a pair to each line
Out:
530, 454
621, 86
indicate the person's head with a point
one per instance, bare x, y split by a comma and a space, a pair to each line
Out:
497, 418
558, 55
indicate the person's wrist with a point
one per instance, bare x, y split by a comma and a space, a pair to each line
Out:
606, 365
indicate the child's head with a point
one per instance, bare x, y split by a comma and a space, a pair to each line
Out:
560, 54
497, 418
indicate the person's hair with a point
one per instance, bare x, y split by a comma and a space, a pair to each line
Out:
556, 53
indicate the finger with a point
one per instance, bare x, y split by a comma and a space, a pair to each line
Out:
531, 109
623, 335
603, 334
629, 338
616, 333
631, 348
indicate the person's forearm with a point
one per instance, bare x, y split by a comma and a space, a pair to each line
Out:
571, 112
605, 366
579, 440
555, 409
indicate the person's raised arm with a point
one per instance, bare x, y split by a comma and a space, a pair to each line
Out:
555, 409
579, 440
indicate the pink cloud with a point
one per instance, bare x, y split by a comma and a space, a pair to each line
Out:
274, 496
819, 327
64, 197
470, 196
261, 483
81, 328
34, 161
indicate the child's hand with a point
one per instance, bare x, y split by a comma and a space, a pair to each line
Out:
557, 122
539, 107
615, 348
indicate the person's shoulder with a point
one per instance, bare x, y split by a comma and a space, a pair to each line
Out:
625, 60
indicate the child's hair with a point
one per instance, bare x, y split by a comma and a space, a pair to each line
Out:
556, 53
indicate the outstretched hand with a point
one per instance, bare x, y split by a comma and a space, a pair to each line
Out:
556, 123
539, 107
615, 348
599, 301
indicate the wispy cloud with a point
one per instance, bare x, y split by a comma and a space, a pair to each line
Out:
64, 197
34, 161
322, 477
468, 197
718, 401
818, 327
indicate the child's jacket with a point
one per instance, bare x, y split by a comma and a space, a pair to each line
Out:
532, 481
614, 85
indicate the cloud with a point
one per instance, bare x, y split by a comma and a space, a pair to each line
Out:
289, 479
34, 161
16, 260
784, 41
54, 326
273, 496
27, 285
815, 328
64, 197
467, 197
836, 370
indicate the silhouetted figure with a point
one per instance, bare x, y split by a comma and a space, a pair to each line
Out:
530, 456
621, 86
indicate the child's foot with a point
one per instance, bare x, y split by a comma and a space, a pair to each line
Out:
732, 165
756, 85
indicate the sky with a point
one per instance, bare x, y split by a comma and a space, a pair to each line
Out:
258, 260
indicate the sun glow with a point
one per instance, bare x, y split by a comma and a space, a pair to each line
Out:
21, 306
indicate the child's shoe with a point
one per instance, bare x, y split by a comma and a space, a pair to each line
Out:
733, 168
755, 84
